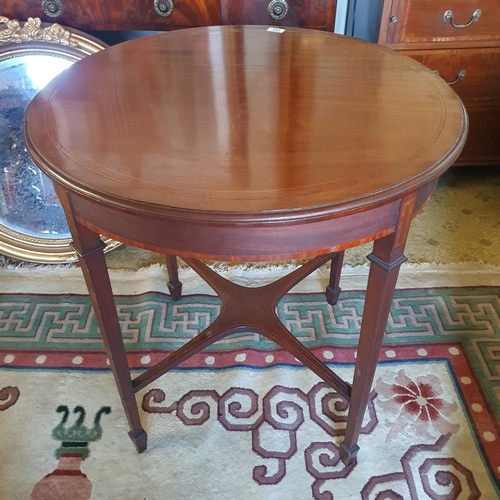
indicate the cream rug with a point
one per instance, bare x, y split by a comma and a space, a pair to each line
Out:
243, 420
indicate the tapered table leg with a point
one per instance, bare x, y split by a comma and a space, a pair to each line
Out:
333, 289
174, 285
89, 248
386, 259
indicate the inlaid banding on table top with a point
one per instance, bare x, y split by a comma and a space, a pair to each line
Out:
290, 127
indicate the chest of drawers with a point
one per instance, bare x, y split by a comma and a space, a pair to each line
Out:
460, 39
95, 15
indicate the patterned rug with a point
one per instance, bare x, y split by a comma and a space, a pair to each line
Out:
243, 419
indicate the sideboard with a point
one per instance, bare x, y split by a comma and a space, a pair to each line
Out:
95, 15
460, 40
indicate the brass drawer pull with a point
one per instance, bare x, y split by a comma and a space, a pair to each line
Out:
277, 9
448, 16
52, 8
164, 7
461, 75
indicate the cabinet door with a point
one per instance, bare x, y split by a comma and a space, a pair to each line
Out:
90, 15
420, 21
316, 14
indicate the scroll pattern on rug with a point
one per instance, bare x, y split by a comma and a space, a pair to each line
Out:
418, 407
276, 417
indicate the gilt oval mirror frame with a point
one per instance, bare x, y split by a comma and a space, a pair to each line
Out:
32, 223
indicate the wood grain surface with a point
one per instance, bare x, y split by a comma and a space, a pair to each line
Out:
91, 15
421, 21
240, 120
316, 14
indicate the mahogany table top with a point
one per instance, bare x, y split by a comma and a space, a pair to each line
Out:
236, 121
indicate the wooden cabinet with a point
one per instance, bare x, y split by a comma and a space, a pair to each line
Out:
460, 39
95, 15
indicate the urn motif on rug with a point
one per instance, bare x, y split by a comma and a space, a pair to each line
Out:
67, 481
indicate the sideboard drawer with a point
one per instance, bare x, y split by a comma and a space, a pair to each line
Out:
316, 14
90, 15
165, 14
86, 16
418, 21
476, 72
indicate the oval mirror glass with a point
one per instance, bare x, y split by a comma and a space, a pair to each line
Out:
32, 222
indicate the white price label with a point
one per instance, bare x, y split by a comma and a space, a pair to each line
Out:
276, 30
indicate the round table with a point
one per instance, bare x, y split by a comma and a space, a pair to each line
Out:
246, 144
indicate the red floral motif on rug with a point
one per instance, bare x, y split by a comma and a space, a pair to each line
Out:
419, 406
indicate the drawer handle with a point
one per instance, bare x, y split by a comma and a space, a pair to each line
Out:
448, 16
164, 7
461, 75
52, 8
277, 9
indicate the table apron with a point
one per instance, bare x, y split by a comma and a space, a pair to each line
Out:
236, 242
